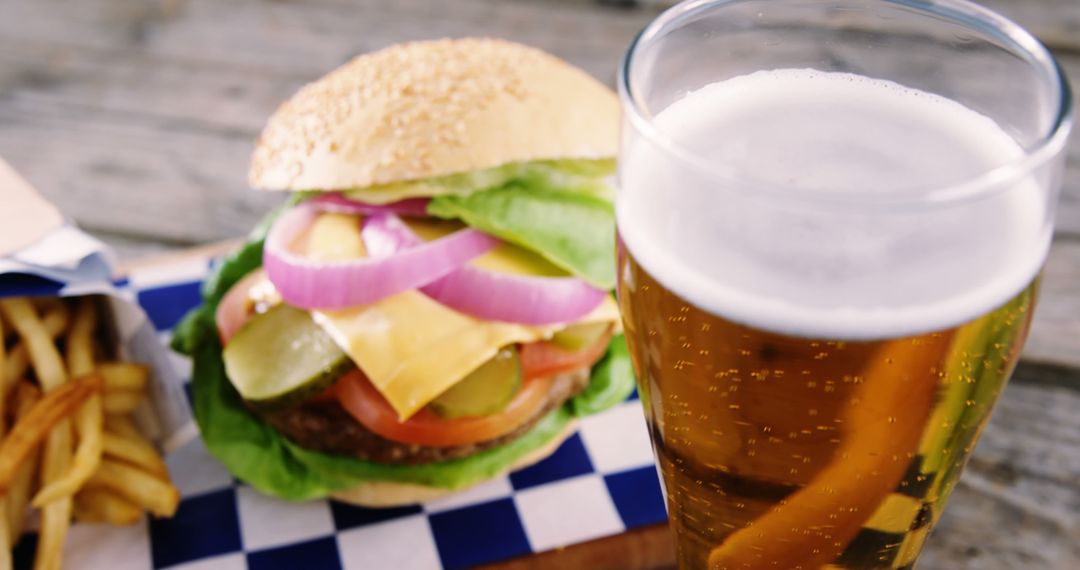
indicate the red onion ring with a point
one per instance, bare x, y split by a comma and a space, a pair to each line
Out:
310, 284
489, 295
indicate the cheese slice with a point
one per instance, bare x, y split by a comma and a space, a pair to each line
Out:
411, 347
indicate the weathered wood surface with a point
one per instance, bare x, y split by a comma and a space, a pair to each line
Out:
138, 116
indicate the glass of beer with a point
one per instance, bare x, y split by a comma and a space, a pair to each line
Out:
832, 217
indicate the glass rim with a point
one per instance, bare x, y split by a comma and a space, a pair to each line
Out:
963, 12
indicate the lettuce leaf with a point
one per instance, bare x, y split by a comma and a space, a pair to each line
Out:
259, 455
573, 175
573, 230
608, 386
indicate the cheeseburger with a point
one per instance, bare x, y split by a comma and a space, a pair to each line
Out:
430, 307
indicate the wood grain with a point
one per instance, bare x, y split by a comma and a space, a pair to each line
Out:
645, 548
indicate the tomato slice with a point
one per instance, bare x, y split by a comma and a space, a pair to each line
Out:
544, 359
252, 294
235, 308
364, 402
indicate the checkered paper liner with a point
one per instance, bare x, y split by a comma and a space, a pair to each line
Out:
601, 481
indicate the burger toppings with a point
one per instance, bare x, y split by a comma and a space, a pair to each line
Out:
360, 398
323, 425
397, 260
578, 337
502, 406
547, 358
487, 294
411, 347
312, 284
486, 390
572, 230
281, 358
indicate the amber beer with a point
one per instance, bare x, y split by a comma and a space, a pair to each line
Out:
788, 452
815, 377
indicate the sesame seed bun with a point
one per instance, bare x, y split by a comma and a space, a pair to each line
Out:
387, 494
425, 109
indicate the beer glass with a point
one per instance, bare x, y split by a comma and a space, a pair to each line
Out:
832, 217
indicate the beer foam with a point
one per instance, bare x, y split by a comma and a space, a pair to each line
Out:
800, 263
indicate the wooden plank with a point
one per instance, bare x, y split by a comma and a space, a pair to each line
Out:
1055, 331
1056, 22
646, 548
306, 36
1018, 503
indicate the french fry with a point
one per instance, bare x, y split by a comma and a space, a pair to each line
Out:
56, 320
123, 426
97, 505
45, 304
56, 516
43, 353
136, 452
80, 345
49, 368
24, 397
124, 376
46, 414
5, 539
139, 487
18, 361
93, 466
89, 419
5, 383
5, 531
15, 365
89, 424
121, 401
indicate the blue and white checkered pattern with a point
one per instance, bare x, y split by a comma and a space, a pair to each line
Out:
602, 481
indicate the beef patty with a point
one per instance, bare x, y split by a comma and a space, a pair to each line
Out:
326, 426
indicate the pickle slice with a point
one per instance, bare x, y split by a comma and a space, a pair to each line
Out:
486, 390
580, 337
281, 357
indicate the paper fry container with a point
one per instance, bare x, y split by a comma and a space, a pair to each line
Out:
42, 254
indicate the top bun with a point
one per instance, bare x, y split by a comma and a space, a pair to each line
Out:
434, 108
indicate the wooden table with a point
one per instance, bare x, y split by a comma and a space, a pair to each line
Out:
137, 118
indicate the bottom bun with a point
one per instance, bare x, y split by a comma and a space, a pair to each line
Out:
390, 494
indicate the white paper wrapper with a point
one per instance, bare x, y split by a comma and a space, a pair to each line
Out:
76, 265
